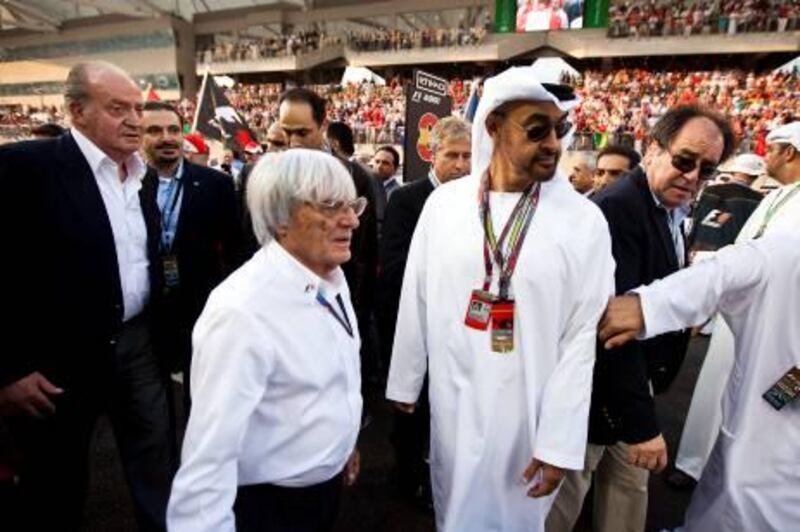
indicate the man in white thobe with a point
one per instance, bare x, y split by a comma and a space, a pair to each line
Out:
779, 211
504, 425
752, 479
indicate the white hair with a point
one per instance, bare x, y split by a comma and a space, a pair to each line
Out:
282, 180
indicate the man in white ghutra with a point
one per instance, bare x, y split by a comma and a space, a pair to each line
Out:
508, 273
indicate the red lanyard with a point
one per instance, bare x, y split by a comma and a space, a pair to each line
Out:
516, 229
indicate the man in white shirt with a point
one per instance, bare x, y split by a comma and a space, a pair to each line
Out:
85, 238
509, 350
751, 480
275, 372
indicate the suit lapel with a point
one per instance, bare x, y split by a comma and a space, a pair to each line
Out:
658, 217
79, 184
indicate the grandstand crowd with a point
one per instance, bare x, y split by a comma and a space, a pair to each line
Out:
618, 106
294, 44
649, 18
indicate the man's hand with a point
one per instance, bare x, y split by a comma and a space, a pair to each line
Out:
29, 396
352, 469
551, 478
622, 321
650, 455
406, 408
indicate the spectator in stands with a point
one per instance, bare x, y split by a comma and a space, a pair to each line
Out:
47, 131
273, 430
613, 162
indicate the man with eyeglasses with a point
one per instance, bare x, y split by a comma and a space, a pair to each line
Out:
499, 306
271, 438
613, 162
302, 117
644, 210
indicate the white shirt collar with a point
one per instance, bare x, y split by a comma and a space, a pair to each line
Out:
433, 178
178, 173
301, 277
97, 157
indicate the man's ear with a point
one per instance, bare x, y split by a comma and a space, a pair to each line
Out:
492, 124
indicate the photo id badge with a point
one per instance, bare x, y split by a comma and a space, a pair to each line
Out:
171, 276
503, 326
479, 310
786, 390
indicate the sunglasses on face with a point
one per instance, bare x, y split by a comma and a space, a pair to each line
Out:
539, 131
687, 165
336, 207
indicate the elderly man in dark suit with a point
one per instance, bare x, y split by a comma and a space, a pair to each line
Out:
450, 143
200, 233
81, 279
644, 210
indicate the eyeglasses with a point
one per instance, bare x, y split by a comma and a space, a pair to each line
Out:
540, 131
687, 165
339, 207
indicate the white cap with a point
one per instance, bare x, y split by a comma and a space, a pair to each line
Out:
786, 134
747, 163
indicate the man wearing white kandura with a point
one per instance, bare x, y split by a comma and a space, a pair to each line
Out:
275, 372
752, 478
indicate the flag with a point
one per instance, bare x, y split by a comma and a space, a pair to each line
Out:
152, 95
216, 119
472, 102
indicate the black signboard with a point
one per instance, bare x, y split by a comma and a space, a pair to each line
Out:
427, 100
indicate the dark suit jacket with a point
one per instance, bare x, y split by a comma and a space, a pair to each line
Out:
63, 295
206, 245
362, 267
622, 406
401, 217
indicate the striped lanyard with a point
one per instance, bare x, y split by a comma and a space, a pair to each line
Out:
343, 320
511, 237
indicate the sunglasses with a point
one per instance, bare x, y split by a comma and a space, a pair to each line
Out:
337, 207
687, 165
540, 131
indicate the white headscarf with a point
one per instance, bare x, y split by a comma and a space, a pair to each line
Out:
516, 83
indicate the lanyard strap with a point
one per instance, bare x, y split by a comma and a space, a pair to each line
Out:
777, 203
514, 232
167, 214
343, 320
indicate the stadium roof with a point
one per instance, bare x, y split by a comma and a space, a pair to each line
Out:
50, 15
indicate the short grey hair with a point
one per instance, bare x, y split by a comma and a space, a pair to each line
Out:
449, 128
282, 180
76, 86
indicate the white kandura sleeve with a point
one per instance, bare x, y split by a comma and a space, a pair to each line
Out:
564, 413
725, 282
231, 363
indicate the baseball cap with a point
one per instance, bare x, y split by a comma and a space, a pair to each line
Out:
786, 134
746, 163
194, 143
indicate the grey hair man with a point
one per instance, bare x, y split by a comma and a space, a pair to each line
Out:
91, 253
255, 373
